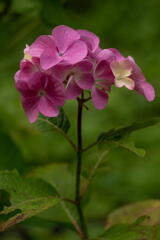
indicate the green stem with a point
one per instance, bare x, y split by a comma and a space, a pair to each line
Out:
79, 168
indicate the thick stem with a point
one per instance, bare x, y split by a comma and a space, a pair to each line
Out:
79, 168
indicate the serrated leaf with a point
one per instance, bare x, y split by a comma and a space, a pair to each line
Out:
129, 214
120, 137
27, 197
60, 123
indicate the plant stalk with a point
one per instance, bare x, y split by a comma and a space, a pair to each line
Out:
79, 168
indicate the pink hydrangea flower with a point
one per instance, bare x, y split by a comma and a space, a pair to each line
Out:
128, 74
67, 62
77, 77
64, 45
42, 93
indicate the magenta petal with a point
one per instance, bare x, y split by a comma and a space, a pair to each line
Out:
34, 82
147, 90
55, 92
17, 76
49, 58
47, 108
84, 66
105, 54
27, 69
90, 39
72, 90
41, 43
76, 53
99, 98
32, 115
117, 54
103, 71
60, 71
85, 81
64, 36
137, 74
30, 106
23, 88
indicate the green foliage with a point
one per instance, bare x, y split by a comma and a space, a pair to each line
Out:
131, 232
27, 198
120, 137
59, 124
129, 214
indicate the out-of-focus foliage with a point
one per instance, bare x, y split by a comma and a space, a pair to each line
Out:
133, 28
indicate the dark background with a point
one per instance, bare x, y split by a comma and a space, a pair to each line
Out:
134, 28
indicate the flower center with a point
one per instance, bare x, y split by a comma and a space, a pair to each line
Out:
61, 54
41, 93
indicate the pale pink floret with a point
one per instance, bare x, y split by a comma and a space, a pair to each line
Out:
64, 45
77, 77
43, 94
127, 73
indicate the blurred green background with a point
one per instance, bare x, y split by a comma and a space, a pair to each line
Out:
132, 27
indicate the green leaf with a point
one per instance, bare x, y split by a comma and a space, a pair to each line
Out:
27, 197
129, 214
120, 137
131, 232
59, 124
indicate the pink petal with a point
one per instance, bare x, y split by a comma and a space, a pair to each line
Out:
99, 98
147, 90
17, 76
26, 70
49, 58
23, 88
103, 71
55, 92
117, 54
76, 53
34, 82
47, 108
64, 36
72, 90
30, 107
60, 71
41, 43
105, 54
32, 115
85, 81
137, 74
84, 66
90, 39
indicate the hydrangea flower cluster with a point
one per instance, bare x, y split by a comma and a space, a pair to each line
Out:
62, 65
